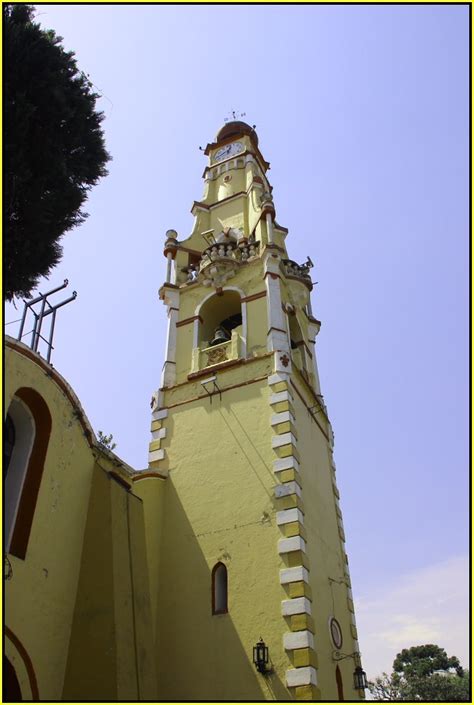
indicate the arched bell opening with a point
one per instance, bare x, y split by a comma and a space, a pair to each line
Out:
220, 315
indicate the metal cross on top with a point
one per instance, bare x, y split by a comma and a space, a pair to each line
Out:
234, 115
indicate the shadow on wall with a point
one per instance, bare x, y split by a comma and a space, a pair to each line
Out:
200, 655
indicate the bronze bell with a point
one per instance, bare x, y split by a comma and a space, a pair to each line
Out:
220, 336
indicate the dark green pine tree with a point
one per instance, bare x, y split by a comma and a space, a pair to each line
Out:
54, 149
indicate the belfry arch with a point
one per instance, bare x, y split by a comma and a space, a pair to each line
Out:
224, 309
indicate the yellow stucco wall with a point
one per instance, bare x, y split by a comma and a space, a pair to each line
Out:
219, 506
79, 602
40, 597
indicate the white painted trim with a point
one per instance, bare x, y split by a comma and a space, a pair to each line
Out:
283, 440
156, 455
213, 293
294, 575
284, 490
298, 605
301, 676
295, 543
298, 640
285, 464
287, 516
159, 414
195, 333
243, 337
282, 417
280, 396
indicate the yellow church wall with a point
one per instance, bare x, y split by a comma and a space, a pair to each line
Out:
39, 598
110, 655
92, 664
68, 601
220, 507
227, 378
153, 490
257, 326
230, 215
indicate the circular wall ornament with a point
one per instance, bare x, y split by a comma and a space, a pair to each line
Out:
336, 632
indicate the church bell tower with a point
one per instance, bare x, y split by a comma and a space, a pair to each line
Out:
251, 594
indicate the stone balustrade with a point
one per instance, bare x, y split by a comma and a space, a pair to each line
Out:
293, 269
230, 250
215, 354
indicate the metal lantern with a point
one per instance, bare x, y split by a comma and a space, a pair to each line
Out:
260, 656
360, 678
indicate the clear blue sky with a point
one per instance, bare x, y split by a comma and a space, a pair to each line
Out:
363, 113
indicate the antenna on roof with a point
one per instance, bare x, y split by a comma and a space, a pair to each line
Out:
39, 317
234, 115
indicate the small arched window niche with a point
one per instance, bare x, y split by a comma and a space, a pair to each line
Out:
219, 589
340, 687
219, 330
299, 352
27, 431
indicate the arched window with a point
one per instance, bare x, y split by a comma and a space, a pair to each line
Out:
27, 429
8, 443
219, 589
11, 686
340, 691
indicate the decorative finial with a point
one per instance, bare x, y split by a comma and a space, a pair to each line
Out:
234, 115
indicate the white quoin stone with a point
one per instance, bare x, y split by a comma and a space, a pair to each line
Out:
286, 516
283, 439
301, 676
288, 488
285, 464
298, 640
293, 575
159, 414
156, 455
295, 543
298, 605
282, 417
280, 396
278, 377
161, 433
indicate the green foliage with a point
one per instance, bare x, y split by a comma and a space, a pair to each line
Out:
423, 673
106, 441
424, 660
54, 149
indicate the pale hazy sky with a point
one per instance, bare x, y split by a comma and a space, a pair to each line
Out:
363, 113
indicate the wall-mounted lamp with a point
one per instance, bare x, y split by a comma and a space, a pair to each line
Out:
260, 656
360, 679
360, 676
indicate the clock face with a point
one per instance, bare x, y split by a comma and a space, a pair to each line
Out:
228, 151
